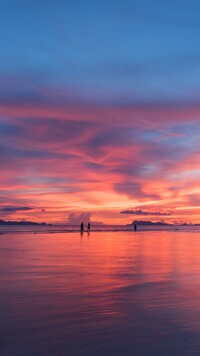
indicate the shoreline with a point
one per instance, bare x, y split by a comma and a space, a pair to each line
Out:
139, 230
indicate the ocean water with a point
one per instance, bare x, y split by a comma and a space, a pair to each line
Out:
107, 293
51, 229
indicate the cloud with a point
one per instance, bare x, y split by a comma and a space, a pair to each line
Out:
142, 212
15, 208
77, 218
96, 155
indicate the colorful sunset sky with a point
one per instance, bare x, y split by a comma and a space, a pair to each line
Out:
100, 110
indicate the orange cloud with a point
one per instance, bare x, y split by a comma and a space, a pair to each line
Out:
98, 158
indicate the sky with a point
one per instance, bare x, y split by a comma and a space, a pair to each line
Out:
100, 110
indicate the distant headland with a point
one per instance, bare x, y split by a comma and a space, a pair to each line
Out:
3, 222
148, 222
159, 223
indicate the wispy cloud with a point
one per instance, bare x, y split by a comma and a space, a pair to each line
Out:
142, 212
15, 208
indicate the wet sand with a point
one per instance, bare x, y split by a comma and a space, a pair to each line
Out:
121, 293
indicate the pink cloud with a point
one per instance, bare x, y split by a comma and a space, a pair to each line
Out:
70, 156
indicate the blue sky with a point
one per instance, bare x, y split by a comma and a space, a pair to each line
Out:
117, 50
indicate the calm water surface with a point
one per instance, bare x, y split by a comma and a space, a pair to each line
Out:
110, 293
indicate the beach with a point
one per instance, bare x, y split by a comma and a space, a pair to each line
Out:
106, 293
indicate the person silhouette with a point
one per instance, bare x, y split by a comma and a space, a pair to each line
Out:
82, 228
135, 227
88, 228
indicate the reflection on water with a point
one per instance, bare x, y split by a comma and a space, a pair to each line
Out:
121, 293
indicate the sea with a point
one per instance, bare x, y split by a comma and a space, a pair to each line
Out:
61, 228
111, 292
